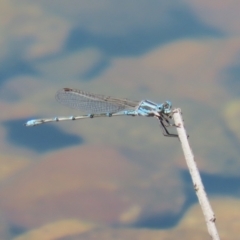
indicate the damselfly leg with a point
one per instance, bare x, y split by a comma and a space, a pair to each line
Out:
164, 124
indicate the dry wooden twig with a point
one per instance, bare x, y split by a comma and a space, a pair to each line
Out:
196, 179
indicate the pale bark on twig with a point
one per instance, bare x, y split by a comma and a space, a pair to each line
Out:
196, 179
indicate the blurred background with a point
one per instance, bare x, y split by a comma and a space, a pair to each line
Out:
118, 178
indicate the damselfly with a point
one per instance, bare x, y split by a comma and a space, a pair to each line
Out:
96, 105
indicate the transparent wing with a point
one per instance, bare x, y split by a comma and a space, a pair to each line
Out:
92, 103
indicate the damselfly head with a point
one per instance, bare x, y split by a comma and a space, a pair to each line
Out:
166, 107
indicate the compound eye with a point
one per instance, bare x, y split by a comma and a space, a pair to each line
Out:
166, 105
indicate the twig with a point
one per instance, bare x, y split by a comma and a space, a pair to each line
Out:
196, 179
